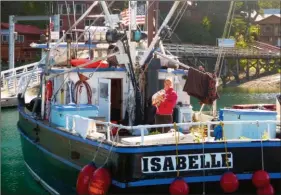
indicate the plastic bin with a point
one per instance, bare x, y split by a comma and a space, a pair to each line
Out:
252, 131
59, 112
184, 116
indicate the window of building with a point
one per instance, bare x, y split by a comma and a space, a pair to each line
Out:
20, 38
89, 22
276, 30
80, 8
5, 38
61, 23
65, 9
267, 28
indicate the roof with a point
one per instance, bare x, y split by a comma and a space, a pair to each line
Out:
267, 13
24, 29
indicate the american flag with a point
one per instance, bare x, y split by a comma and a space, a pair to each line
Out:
140, 18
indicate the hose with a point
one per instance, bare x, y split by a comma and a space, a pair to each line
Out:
78, 88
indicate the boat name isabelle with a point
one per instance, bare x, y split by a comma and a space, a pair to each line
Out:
189, 162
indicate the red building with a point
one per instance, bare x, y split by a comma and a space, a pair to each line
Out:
71, 11
26, 34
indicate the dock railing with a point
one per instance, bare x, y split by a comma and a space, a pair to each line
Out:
12, 78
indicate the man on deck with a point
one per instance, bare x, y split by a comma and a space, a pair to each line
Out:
165, 101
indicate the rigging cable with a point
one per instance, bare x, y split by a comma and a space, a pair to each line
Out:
223, 36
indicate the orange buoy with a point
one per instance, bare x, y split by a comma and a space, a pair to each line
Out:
267, 190
179, 187
100, 182
229, 182
84, 179
260, 179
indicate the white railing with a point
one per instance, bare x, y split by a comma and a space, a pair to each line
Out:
13, 78
206, 50
71, 126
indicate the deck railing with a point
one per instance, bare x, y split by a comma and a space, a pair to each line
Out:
70, 123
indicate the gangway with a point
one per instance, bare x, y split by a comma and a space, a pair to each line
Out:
13, 80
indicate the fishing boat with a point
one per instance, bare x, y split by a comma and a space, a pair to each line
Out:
91, 130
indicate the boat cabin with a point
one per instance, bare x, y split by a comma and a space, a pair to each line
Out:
110, 89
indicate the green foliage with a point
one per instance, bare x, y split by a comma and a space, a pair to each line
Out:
206, 23
267, 4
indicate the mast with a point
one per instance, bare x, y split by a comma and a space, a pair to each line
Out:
150, 26
157, 38
45, 72
132, 27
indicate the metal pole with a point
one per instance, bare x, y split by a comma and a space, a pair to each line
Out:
107, 14
56, 19
11, 42
156, 38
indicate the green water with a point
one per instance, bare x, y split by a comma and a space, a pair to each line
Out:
15, 178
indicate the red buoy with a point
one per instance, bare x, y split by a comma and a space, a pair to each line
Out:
229, 182
179, 187
261, 179
49, 90
267, 190
100, 182
84, 179
114, 130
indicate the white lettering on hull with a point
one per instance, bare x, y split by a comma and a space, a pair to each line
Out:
189, 162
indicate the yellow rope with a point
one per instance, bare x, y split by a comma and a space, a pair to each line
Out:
177, 152
226, 158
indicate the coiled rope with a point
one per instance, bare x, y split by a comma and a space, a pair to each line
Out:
78, 89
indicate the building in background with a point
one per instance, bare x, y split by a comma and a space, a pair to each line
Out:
25, 35
270, 28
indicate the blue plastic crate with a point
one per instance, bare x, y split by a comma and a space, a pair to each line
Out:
59, 112
252, 131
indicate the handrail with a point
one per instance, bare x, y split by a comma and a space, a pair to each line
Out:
18, 68
143, 127
213, 50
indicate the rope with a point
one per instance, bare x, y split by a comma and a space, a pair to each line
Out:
177, 152
225, 145
204, 171
88, 88
262, 158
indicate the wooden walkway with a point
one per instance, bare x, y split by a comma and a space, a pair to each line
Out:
191, 50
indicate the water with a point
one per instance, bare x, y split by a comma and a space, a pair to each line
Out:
15, 178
